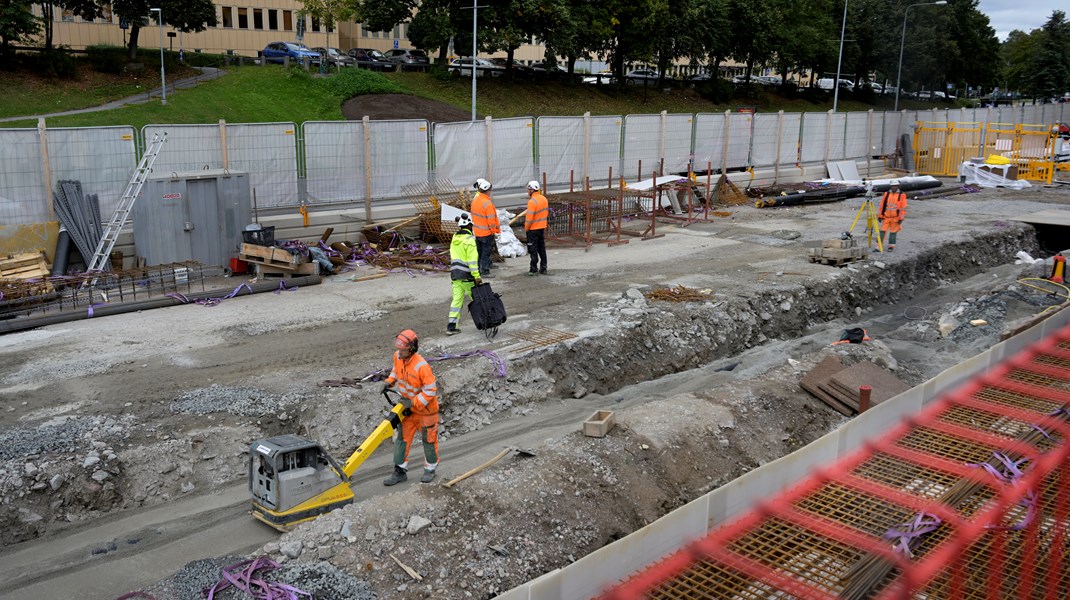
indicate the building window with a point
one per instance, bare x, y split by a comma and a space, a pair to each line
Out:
228, 17
66, 16
258, 18
243, 18
273, 19
315, 24
287, 20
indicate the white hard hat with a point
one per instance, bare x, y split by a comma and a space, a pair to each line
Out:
482, 185
533, 185
463, 220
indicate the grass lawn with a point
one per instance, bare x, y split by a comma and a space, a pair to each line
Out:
264, 94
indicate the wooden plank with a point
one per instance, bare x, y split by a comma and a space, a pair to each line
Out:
266, 270
269, 254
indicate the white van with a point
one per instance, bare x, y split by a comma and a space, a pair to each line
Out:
826, 84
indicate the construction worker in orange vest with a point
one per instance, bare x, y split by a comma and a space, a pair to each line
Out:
419, 395
892, 212
485, 225
535, 220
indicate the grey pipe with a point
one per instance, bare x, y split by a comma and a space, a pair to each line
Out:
22, 324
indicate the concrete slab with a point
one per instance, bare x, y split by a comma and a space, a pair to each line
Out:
1055, 216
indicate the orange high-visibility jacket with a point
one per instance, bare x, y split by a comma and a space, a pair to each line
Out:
416, 382
893, 211
538, 212
484, 216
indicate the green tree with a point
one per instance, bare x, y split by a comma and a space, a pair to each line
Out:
1017, 55
382, 15
804, 36
751, 37
432, 28
328, 12
17, 24
1050, 64
87, 9
186, 15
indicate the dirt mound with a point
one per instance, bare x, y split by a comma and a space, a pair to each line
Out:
385, 107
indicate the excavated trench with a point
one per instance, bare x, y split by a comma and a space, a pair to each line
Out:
580, 494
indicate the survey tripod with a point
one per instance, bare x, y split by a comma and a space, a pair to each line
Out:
873, 226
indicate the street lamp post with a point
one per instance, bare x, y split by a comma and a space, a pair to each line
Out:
163, 79
903, 42
474, 11
839, 60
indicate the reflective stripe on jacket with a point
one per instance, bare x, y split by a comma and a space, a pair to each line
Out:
464, 257
415, 381
538, 212
893, 206
484, 216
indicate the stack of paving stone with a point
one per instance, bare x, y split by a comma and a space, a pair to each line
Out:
838, 252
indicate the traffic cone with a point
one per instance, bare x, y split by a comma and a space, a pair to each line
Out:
1058, 269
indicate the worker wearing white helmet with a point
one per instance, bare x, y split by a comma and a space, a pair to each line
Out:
464, 269
485, 225
536, 219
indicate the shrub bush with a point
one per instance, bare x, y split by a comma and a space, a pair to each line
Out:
716, 90
204, 59
106, 59
355, 82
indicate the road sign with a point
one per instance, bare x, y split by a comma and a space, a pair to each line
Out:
395, 44
123, 24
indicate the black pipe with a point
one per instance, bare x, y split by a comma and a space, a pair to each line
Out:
63, 248
22, 324
908, 185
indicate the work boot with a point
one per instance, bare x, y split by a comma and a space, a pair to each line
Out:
543, 272
452, 329
532, 273
397, 476
427, 477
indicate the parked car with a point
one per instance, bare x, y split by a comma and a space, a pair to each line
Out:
769, 80
278, 51
743, 80
827, 84
517, 67
642, 76
484, 68
540, 67
408, 59
924, 95
369, 58
334, 57
600, 78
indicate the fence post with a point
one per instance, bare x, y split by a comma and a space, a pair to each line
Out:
488, 126
828, 135
366, 126
869, 140
727, 128
661, 139
587, 147
779, 143
223, 143
46, 166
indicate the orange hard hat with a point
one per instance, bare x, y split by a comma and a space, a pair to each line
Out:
406, 339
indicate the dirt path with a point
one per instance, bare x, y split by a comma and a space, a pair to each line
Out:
167, 401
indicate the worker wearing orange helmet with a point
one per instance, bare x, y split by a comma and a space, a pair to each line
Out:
892, 212
419, 395
535, 221
485, 225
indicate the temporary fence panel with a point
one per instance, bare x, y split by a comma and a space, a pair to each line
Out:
740, 134
789, 139
815, 144
710, 140
500, 151
398, 156
23, 195
930, 144
1030, 114
767, 133
893, 127
656, 143
267, 151
335, 166
837, 136
859, 139
571, 148
102, 158
1029, 147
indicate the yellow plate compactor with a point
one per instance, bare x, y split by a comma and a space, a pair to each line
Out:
294, 479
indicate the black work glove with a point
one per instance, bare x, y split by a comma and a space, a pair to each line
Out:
386, 386
406, 405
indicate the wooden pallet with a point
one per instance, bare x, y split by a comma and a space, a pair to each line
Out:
835, 262
270, 255
28, 265
266, 270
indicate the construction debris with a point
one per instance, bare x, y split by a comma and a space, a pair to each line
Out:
679, 294
838, 252
838, 386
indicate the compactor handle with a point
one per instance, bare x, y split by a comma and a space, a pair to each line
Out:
386, 395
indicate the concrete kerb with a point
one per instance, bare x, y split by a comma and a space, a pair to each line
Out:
612, 564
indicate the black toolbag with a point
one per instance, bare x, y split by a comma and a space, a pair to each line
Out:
487, 309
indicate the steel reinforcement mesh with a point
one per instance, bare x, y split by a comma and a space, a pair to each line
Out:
967, 500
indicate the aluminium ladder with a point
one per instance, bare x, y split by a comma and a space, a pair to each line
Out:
126, 204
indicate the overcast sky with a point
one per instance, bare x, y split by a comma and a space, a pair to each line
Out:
1025, 15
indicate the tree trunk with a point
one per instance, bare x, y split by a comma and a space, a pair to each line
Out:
132, 46
49, 16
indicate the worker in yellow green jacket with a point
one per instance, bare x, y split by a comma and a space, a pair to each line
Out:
464, 269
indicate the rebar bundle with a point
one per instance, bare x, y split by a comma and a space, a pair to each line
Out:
678, 294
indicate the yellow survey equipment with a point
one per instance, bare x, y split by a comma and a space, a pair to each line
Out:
293, 479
